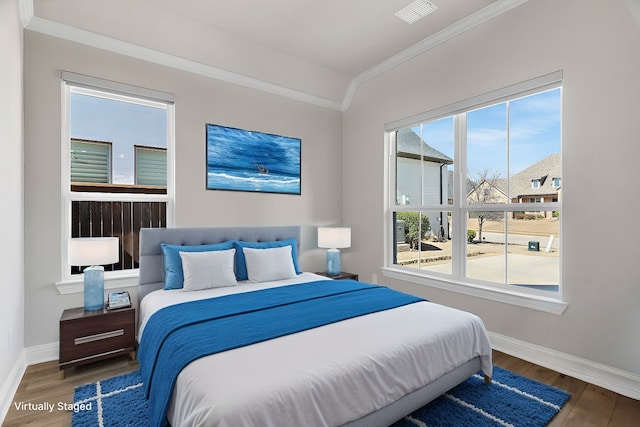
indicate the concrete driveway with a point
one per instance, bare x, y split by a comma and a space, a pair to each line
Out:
523, 269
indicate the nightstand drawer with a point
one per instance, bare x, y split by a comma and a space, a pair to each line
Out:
86, 336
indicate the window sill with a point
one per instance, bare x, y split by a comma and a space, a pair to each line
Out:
76, 285
507, 296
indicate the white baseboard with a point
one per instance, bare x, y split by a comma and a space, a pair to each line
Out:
10, 386
617, 380
29, 356
42, 353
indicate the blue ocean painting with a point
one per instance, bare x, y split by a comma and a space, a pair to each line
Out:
243, 160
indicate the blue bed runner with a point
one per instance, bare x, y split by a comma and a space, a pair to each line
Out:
177, 335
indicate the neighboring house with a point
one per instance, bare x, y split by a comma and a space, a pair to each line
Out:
539, 183
415, 158
488, 191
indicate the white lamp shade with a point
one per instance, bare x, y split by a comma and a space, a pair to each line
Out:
92, 251
334, 237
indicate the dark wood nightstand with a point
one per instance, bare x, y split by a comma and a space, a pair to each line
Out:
342, 276
89, 336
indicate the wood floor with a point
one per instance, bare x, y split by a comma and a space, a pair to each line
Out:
589, 405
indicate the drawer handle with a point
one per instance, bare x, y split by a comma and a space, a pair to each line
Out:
98, 337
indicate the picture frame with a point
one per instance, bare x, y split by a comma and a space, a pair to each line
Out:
252, 161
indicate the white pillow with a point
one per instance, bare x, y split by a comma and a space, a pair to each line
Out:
204, 270
264, 265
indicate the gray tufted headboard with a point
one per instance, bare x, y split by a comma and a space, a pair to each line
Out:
151, 259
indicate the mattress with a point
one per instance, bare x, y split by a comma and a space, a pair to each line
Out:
326, 376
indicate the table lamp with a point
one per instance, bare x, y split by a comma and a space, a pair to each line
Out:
334, 238
94, 252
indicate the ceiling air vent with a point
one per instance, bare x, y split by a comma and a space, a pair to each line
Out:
416, 10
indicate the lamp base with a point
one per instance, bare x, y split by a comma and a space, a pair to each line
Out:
94, 288
333, 262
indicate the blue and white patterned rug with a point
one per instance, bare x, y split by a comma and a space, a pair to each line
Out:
511, 400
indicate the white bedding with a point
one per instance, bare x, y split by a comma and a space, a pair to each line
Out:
323, 376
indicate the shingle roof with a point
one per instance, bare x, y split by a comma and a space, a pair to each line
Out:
408, 145
545, 170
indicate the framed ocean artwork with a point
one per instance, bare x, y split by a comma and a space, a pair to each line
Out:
244, 160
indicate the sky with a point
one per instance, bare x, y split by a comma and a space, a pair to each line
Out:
533, 130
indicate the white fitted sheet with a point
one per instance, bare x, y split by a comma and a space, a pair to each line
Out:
325, 376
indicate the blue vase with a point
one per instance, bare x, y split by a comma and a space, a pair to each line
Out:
333, 262
94, 288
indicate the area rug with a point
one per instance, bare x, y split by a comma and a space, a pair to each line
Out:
511, 400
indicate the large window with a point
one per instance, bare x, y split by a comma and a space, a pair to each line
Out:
116, 163
475, 193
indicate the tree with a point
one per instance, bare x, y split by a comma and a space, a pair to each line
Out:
485, 190
414, 228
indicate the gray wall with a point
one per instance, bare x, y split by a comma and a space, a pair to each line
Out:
11, 188
198, 101
597, 45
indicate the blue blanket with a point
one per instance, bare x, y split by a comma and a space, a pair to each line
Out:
177, 335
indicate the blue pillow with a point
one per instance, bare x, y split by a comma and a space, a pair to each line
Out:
241, 264
173, 275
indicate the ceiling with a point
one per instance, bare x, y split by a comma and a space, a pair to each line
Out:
348, 38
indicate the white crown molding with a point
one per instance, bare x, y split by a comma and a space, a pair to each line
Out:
610, 378
25, 7
67, 32
56, 29
483, 15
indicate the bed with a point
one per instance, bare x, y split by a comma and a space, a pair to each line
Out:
370, 369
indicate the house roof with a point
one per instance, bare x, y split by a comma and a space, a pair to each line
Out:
545, 170
408, 145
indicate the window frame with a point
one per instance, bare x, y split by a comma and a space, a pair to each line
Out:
72, 283
457, 281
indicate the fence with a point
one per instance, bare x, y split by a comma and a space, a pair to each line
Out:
117, 219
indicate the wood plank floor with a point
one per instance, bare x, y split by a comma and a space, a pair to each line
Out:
589, 405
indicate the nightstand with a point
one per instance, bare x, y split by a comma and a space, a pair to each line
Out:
342, 276
89, 336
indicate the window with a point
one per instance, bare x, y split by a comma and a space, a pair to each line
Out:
151, 166
117, 164
90, 161
467, 204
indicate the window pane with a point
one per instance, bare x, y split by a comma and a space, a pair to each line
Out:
533, 254
120, 121
534, 140
116, 219
424, 164
487, 155
421, 242
436, 249
486, 246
